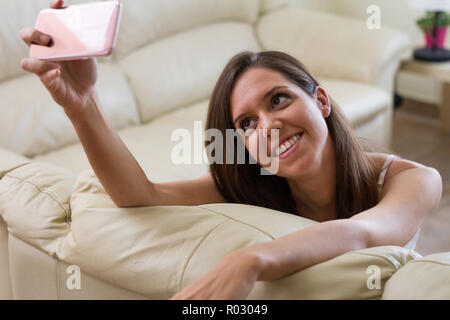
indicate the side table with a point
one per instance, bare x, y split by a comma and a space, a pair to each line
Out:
440, 72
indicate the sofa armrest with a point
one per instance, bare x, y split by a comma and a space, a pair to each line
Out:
34, 204
332, 46
419, 279
157, 251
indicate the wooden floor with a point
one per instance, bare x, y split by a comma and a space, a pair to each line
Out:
416, 137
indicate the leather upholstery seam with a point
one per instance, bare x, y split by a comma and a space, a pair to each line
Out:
231, 218
430, 261
395, 264
49, 193
180, 286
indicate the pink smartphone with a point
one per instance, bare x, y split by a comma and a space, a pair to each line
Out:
78, 31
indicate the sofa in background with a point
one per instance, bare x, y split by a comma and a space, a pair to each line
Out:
54, 213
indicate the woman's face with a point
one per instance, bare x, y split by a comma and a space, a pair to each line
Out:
264, 99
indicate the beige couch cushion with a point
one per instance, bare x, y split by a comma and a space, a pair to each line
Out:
144, 22
157, 251
160, 250
32, 123
359, 102
34, 203
347, 54
183, 69
424, 278
150, 144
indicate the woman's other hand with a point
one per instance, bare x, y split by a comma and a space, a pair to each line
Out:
233, 279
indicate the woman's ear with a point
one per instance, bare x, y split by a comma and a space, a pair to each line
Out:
323, 101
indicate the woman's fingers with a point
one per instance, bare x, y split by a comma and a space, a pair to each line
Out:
48, 72
56, 4
37, 66
33, 36
49, 77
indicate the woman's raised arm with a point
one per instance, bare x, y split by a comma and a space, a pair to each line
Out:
72, 86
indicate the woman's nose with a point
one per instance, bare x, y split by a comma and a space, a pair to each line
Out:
270, 122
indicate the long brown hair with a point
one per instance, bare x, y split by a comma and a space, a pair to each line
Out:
356, 173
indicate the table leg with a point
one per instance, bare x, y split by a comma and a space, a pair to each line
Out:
445, 107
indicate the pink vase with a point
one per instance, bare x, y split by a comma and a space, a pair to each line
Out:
441, 33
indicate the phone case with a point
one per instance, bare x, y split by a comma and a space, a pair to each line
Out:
78, 31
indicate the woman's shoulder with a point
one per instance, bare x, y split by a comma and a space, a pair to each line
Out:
398, 165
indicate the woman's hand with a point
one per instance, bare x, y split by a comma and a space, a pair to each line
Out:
233, 279
70, 83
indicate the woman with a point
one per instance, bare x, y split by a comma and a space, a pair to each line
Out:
323, 172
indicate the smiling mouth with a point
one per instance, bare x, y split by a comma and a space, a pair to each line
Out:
288, 144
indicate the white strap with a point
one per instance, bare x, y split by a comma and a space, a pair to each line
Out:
384, 170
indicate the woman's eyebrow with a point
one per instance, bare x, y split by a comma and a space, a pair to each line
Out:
264, 98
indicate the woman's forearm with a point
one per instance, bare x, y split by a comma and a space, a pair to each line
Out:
114, 165
306, 247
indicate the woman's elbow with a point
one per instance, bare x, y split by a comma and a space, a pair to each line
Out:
435, 186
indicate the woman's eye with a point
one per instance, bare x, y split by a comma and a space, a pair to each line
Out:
245, 124
279, 99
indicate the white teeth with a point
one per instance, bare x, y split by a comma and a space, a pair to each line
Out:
287, 145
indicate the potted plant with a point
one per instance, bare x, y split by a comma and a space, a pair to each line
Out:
426, 24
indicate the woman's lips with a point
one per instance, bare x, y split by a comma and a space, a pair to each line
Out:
289, 146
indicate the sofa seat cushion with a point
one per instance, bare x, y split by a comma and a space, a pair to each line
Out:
150, 144
32, 123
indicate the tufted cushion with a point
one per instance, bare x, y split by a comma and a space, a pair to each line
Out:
271, 5
144, 22
183, 69
359, 102
33, 123
424, 278
34, 203
305, 34
157, 251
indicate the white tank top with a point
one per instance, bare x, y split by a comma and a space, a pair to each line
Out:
412, 243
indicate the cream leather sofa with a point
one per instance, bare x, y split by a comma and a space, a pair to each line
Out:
54, 214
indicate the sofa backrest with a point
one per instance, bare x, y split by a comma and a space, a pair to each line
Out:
145, 22
173, 51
